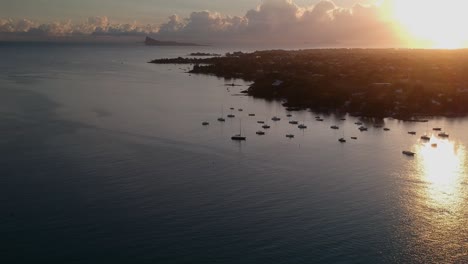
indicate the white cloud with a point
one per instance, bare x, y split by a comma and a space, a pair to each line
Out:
22, 25
273, 21
282, 21
93, 26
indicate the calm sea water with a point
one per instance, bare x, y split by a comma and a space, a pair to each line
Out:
104, 160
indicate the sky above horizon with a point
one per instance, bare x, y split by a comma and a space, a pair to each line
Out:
126, 11
345, 23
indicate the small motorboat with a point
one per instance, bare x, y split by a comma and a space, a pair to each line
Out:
238, 137
221, 119
343, 119
240, 109
275, 118
437, 129
319, 119
425, 137
412, 133
261, 122
302, 126
205, 123
434, 145
408, 153
289, 135
335, 127
354, 138
231, 116
232, 108
444, 135
386, 129
342, 140
293, 122
261, 133
251, 114
363, 128
265, 126
358, 123
288, 115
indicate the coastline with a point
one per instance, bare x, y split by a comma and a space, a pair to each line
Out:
409, 85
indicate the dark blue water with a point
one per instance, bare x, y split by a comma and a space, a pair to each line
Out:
104, 160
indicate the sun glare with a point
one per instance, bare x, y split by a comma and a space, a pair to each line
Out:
443, 168
432, 24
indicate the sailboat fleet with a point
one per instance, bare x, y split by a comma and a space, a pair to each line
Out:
240, 137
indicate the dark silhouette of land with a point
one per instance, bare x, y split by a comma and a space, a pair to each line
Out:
204, 54
154, 42
405, 84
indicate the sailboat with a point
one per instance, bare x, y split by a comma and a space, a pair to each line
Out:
231, 115
239, 136
302, 125
221, 119
425, 136
342, 140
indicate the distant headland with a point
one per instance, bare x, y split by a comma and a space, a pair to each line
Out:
400, 83
204, 54
154, 42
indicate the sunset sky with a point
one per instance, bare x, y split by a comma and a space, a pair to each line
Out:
405, 23
126, 11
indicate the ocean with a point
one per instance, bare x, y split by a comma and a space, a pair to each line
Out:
105, 160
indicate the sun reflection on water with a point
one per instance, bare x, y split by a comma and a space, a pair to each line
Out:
437, 204
443, 168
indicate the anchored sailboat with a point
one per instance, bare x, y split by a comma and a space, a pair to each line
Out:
239, 136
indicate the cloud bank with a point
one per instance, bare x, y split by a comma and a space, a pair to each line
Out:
272, 21
94, 25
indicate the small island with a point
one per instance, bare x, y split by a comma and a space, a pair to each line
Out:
153, 42
400, 83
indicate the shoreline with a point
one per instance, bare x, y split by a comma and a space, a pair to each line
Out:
408, 85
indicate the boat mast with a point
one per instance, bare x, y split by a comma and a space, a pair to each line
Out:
240, 127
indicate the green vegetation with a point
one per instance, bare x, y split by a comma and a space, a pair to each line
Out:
375, 83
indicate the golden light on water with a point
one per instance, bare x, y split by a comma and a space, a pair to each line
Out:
443, 168
437, 201
432, 24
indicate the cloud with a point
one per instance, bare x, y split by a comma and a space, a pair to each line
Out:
202, 26
272, 21
93, 26
22, 25
282, 21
